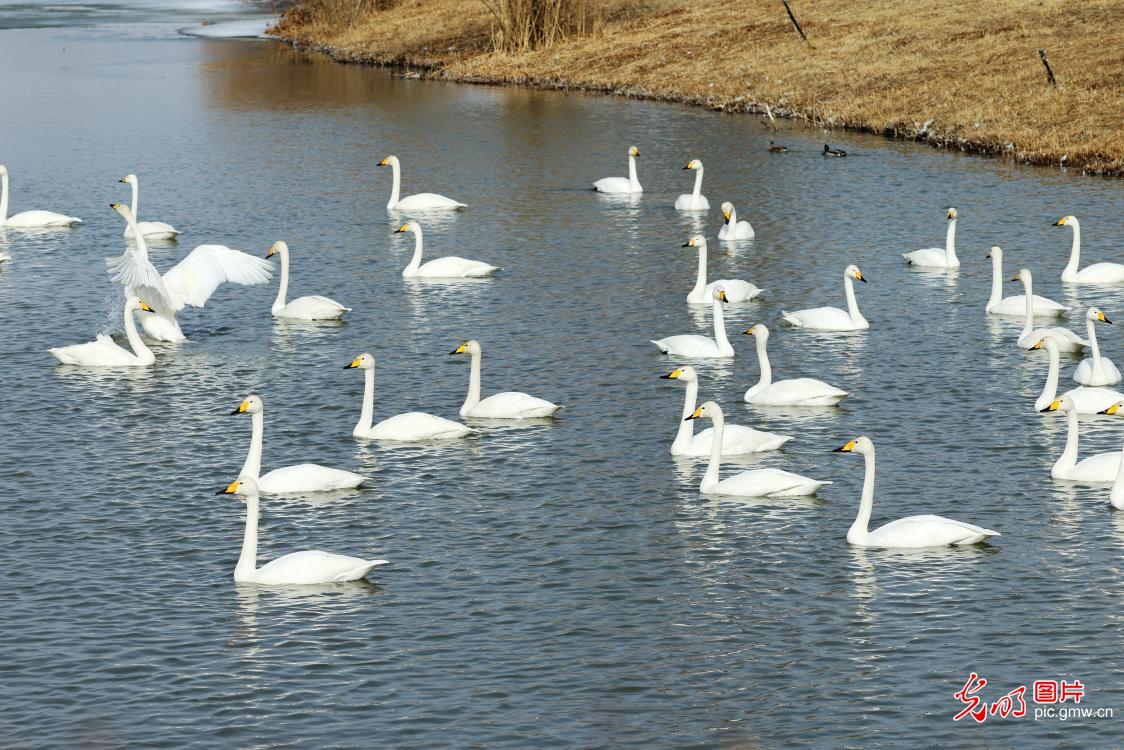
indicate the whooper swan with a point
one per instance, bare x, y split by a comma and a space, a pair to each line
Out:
419, 202
449, 267
105, 352
833, 318
1098, 273
153, 230
29, 219
702, 293
702, 347
312, 307
695, 200
794, 392
620, 185
737, 440
506, 405
938, 257
413, 426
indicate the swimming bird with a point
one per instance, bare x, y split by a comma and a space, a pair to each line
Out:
695, 200
1096, 370
506, 405
774, 148
696, 346
105, 352
413, 426
737, 440
938, 257
1068, 341
1015, 305
1098, 273
618, 185
733, 229
1101, 467
1088, 400
153, 230
29, 219
418, 202
829, 151
793, 392
449, 267
833, 318
312, 307
702, 293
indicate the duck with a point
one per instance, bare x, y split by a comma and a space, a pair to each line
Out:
695, 200
1096, 370
313, 307
418, 202
694, 345
620, 185
450, 267
905, 533
833, 318
506, 405
153, 230
413, 426
1098, 273
777, 149
733, 229
1015, 305
702, 293
737, 440
105, 352
829, 151
1067, 340
773, 483
938, 257
303, 568
794, 392
29, 219
1088, 400
1101, 467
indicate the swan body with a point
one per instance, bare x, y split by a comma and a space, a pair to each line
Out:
296, 478
1087, 400
1116, 496
296, 568
702, 293
833, 318
909, 532
794, 392
418, 202
153, 230
620, 185
29, 219
506, 405
450, 267
938, 257
1098, 273
737, 440
733, 229
312, 307
1096, 370
1102, 467
1067, 340
695, 200
414, 426
105, 352
1015, 305
192, 281
694, 345
752, 483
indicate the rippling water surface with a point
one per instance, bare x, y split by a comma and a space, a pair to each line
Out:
550, 585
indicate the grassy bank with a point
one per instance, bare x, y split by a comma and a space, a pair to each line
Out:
958, 74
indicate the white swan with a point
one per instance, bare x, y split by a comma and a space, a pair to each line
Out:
733, 229
938, 257
29, 219
419, 202
153, 230
695, 200
694, 345
1098, 273
105, 352
1087, 400
752, 483
1101, 467
1096, 370
192, 281
737, 440
628, 184
1068, 341
1015, 305
296, 478
312, 307
833, 318
506, 405
450, 267
296, 568
909, 532
794, 392
413, 426
1116, 496
702, 293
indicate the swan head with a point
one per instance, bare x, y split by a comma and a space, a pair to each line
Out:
1114, 409
633, 151
1094, 314
995, 253
409, 226
719, 294
951, 214
135, 303
472, 346
365, 361
1049, 343
244, 486
390, 161
862, 445
727, 211
1023, 275
122, 209
1066, 221
697, 241
129, 179
250, 405
853, 272
760, 330
1062, 403
693, 164
277, 247
686, 374
709, 409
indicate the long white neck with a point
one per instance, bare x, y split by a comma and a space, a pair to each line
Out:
283, 286
766, 378
473, 397
140, 349
861, 527
415, 262
950, 243
252, 467
699, 291
996, 280
697, 192
852, 303
1116, 497
1050, 389
720, 328
733, 220
3, 199
136, 191
687, 426
1093, 347
397, 184
138, 238
1028, 320
367, 416
633, 181
248, 559
1074, 253
1068, 459
714, 465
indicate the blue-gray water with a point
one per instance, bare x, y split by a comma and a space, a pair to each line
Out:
555, 586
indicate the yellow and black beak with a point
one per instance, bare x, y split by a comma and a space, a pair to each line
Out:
401, 229
460, 349
1101, 317
1111, 410
695, 414
687, 167
1015, 277
354, 363
722, 295
1054, 405
272, 250
635, 151
673, 375
726, 216
123, 180
952, 213
146, 308
859, 276
847, 447
1059, 223
115, 206
230, 488
1038, 345
384, 162
749, 331
242, 407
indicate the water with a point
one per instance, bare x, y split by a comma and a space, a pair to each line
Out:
559, 585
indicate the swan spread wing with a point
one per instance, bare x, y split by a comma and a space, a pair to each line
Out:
416, 425
135, 271
927, 531
194, 279
313, 566
308, 478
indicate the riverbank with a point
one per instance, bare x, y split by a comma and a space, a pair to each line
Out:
960, 75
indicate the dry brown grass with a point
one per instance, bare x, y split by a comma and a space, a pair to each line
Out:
956, 74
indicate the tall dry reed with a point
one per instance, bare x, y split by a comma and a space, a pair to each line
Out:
523, 25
